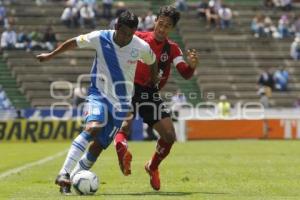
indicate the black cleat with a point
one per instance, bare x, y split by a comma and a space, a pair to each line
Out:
63, 180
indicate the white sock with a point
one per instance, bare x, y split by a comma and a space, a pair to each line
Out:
76, 150
86, 162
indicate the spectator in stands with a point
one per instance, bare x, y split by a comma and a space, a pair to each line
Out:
268, 4
120, 7
284, 26
225, 15
4, 101
93, 4
70, 17
10, 21
296, 26
2, 14
286, 5
181, 5
264, 96
36, 38
257, 25
19, 114
202, 9
281, 79
224, 107
270, 29
266, 79
149, 21
107, 6
212, 16
295, 48
297, 103
142, 25
8, 39
283, 4
87, 15
23, 40
49, 38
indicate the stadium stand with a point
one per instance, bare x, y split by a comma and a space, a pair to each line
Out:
231, 60
34, 78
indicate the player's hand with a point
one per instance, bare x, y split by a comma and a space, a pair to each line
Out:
44, 57
192, 58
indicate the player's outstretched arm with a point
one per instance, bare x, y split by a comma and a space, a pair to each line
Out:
187, 68
65, 46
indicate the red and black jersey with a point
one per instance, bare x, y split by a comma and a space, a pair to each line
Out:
143, 76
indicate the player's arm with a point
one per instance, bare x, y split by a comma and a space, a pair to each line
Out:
187, 68
65, 46
89, 40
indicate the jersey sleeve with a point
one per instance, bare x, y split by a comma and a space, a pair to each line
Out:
177, 55
147, 55
89, 40
182, 67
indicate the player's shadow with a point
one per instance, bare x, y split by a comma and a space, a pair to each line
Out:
154, 193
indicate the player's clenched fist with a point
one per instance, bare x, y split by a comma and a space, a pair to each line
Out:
44, 57
192, 58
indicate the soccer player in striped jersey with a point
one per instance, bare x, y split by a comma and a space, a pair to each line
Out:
111, 89
145, 101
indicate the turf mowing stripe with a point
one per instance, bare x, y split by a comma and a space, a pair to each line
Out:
30, 165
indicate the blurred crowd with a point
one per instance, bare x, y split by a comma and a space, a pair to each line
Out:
4, 100
18, 37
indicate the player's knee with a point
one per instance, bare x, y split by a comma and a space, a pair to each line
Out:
170, 136
93, 128
95, 148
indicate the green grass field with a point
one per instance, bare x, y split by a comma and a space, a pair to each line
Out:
216, 170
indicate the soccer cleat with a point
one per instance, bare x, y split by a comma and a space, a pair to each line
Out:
125, 163
63, 180
154, 177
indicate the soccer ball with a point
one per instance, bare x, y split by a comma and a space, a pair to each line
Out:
85, 182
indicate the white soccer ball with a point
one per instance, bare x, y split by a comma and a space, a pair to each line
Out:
85, 182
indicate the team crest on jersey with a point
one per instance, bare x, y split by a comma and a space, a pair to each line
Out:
164, 57
134, 53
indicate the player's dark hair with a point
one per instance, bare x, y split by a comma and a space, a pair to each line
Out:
129, 19
169, 11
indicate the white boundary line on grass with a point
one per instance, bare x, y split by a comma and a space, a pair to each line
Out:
32, 164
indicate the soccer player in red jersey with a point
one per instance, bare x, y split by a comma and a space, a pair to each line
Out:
147, 102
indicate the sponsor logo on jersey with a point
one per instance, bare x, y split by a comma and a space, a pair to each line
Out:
134, 53
164, 57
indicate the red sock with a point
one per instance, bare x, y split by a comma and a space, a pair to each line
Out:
121, 144
162, 150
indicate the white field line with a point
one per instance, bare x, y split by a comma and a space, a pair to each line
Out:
32, 164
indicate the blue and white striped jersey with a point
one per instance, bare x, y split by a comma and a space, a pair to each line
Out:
114, 67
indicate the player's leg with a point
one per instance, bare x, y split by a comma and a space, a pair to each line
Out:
94, 121
121, 145
75, 152
100, 142
89, 158
166, 130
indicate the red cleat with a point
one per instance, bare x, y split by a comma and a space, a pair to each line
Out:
125, 163
154, 177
